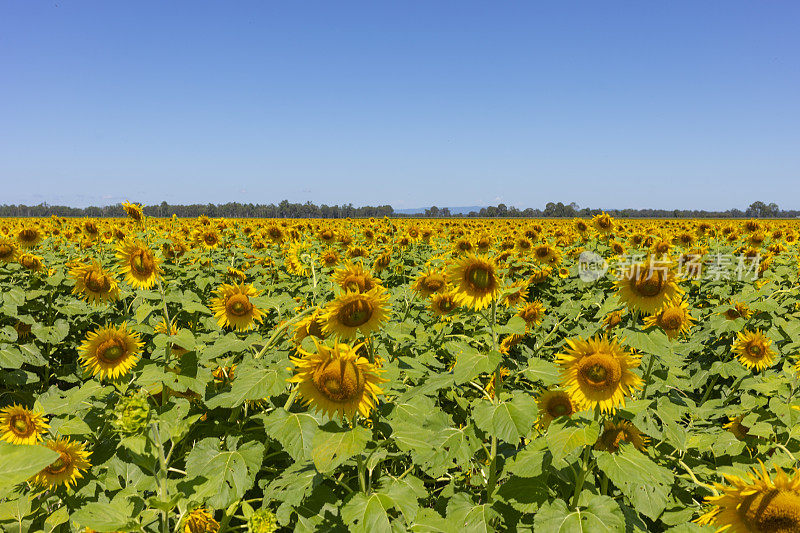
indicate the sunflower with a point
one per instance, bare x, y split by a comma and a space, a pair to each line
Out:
138, 264
442, 304
532, 313
475, 280
329, 258
554, 404
596, 373
337, 380
233, 309
509, 342
8, 250
352, 312
94, 284
294, 263
110, 351
648, 287
68, 468
353, 278
19, 425
310, 326
515, 295
31, 262
29, 237
133, 210
739, 430
540, 275
612, 320
737, 310
758, 504
547, 255
753, 350
603, 223
674, 319
199, 520
430, 282
207, 238
614, 434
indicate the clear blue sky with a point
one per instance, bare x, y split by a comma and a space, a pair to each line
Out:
608, 104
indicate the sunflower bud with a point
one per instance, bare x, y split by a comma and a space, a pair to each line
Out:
262, 521
132, 414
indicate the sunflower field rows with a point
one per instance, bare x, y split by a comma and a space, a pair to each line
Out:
216, 375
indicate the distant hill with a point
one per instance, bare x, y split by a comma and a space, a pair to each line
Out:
453, 210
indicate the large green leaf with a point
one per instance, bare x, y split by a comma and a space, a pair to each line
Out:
594, 514
645, 483
295, 432
565, 435
252, 382
471, 362
334, 447
227, 474
20, 462
508, 420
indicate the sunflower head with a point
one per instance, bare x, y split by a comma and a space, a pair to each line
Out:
111, 351
233, 309
739, 430
354, 312
737, 310
29, 237
94, 284
648, 287
199, 520
138, 264
337, 380
19, 425
614, 434
516, 294
353, 278
475, 281
263, 521
31, 262
758, 504
554, 404
8, 250
532, 313
131, 413
442, 304
133, 210
597, 373
674, 319
753, 350
310, 326
430, 282
73, 460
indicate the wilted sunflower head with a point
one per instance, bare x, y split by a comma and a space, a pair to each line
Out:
612, 320
110, 351
430, 282
737, 310
31, 262
93, 283
554, 404
739, 430
336, 380
475, 280
19, 425
614, 434
354, 312
138, 264
756, 505
233, 309
597, 373
310, 326
73, 460
353, 278
753, 349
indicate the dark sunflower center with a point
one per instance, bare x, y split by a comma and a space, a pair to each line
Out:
97, 282
559, 407
732, 313
649, 284
111, 350
479, 277
21, 425
600, 371
210, 238
755, 350
28, 235
773, 511
597, 373
433, 284
59, 465
340, 381
672, 319
141, 263
612, 438
6, 250
357, 283
356, 313
239, 305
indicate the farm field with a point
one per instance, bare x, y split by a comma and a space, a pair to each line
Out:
212, 375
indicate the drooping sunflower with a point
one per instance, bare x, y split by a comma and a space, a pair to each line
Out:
648, 287
475, 280
430, 282
737, 310
133, 210
547, 254
612, 320
753, 349
532, 313
603, 223
8, 250
354, 312
310, 326
138, 264
233, 309
597, 372
554, 404
94, 284
442, 304
614, 434
756, 505
19, 425
739, 430
509, 342
31, 262
353, 278
294, 262
111, 351
674, 319
68, 468
29, 237
516, 294
337, 380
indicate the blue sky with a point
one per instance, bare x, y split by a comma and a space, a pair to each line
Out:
608, 104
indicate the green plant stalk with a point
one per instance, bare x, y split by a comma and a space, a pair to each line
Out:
162, 475
362, 475
168, 346
280, 330
581, 477
647, 376
491, 481
290, 399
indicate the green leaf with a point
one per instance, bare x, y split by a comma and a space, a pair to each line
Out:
645, 483
368, 513
543, 370
471, 363
595, 514
252, 383
332, 448
515, 326
507, 420
466, 516
567, 434
524, 494
20, 462
295, 432
228, 474
114, 516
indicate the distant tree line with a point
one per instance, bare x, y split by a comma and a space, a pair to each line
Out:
286, 209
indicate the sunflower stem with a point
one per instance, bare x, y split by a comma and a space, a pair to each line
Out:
362, 479
647, 375
290, 400
168, 346
162, 474
492, 480
280, 330
581, 478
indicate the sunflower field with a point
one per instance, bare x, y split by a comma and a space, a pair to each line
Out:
217, 375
